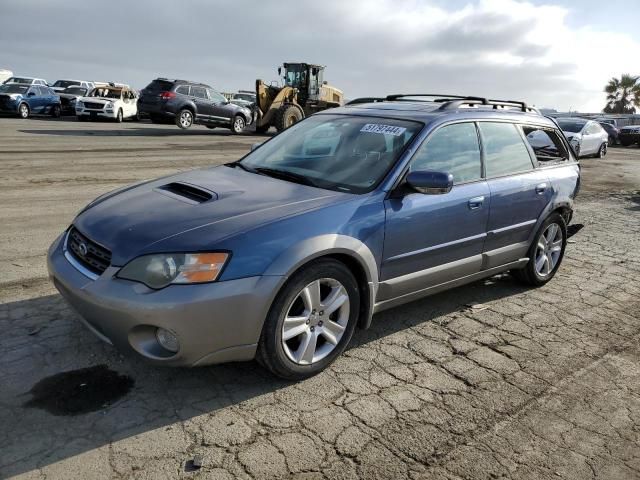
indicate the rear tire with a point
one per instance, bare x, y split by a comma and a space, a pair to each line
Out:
286, 116
309, 327
24, 111
546, 252
184, 119
602, 151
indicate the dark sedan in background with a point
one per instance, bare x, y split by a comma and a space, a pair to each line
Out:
68, 98
612, 131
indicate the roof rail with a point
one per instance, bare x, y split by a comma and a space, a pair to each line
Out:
356, 101
451, 102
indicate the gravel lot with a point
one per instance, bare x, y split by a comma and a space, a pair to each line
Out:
535, 384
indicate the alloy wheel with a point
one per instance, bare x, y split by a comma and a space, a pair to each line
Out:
24, 111
315, 321
238, 125
603, 150
186, 119
548, 249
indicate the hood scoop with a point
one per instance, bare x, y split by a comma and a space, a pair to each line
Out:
186, 192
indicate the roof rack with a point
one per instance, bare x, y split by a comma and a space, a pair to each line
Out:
450, 102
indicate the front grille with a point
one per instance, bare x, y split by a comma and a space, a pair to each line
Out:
96, 259
94, 106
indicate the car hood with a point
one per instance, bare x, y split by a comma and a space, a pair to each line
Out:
97, 99
70, 95
139, 219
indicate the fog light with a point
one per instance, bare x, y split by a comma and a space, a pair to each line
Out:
168, 340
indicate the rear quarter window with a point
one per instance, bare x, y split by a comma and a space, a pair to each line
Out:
546, 144
504, 149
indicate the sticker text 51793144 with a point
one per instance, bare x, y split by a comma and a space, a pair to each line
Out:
380, 128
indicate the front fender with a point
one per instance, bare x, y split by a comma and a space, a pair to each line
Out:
309, 249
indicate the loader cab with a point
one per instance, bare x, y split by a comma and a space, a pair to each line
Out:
304, 77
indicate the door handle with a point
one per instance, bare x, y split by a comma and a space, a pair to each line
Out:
475, 203
541, 188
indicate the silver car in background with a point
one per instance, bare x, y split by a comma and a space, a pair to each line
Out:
586, 137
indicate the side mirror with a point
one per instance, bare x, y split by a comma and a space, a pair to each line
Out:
31, 94
430, 182
255, 146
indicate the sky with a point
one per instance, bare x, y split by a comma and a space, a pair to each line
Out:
550, 53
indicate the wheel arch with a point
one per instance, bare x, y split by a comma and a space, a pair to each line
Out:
353, 253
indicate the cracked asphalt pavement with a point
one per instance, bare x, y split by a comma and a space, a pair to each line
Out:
491, 380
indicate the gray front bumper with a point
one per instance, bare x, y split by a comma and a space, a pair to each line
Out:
215, 322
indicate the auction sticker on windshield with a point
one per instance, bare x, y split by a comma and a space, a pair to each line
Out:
387, 129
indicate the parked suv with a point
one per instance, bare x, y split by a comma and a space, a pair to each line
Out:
186, 103
282, 254
630, 135
25, 100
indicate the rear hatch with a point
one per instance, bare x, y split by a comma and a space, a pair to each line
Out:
150, 95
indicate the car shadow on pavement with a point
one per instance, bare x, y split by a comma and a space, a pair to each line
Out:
43, 338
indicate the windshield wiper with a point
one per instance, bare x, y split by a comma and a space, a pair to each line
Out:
239, 164
284, 175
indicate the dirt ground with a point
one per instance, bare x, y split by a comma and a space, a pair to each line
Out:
532, 383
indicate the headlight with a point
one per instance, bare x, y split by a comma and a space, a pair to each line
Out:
109, 105
79, 104
158, 271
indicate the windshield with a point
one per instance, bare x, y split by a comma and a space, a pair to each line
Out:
337, 152
296, 76
65, 83
75, 91
573, 126
19, 80
14, 88
106, 92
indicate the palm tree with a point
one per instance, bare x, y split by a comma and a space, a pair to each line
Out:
623, 95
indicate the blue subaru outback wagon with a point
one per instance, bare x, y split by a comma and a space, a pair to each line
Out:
282, 254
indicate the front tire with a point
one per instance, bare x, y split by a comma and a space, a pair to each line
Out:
23, 110
119, 116
311, 321
55, 111
238, 124
546, 252
286, 116
184, 119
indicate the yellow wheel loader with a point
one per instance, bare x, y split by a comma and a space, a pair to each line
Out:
304, 93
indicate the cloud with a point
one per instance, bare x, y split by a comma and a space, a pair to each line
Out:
497, 48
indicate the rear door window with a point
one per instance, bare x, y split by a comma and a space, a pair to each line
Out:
453, 149
546, 144
183, 90
199, 92
504, 149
